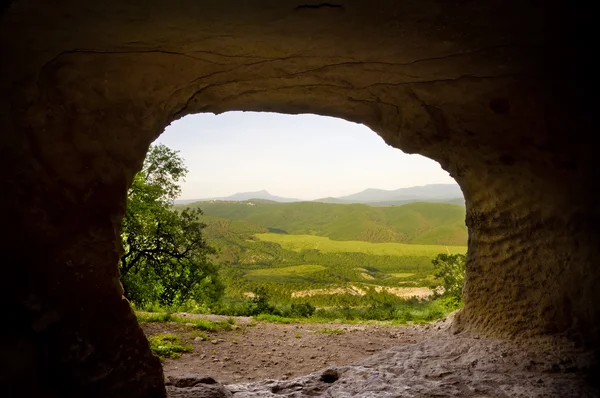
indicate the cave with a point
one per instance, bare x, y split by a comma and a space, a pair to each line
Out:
497, 93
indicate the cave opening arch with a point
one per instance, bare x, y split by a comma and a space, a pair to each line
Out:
494, 100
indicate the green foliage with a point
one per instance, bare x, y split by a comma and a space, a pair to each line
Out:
331, 332
166, 259
200, 324
451, 272
154, 317
259, 304
397, 312
422, 223
303, 310
168, 345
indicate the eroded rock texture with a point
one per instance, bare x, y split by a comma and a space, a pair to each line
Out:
440, 365
495, 92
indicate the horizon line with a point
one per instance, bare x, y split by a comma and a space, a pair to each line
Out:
309, 200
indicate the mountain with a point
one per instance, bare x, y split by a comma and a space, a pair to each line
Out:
439, 192
423, 223
243, 196
448, 193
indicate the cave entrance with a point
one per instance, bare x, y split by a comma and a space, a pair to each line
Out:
494, 92
313, 218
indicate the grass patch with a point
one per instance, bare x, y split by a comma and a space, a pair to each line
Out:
200, 324
326, 245
196, 333
154, 317
203, 324
331, 332
168, 345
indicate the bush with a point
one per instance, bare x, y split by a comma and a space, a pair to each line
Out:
303, 310
451, 270
259, 304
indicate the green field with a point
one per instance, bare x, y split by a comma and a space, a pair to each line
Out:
326, 245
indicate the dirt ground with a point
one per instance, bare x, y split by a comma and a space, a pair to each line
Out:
262, 360
254, 351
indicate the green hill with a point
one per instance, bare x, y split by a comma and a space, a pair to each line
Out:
329, 251
420, 223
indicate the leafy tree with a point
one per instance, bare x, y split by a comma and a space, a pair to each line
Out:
451, 270
166, 259
259, 304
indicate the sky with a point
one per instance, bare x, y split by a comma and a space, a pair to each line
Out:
296, 156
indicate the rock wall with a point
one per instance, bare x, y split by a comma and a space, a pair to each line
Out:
493, 92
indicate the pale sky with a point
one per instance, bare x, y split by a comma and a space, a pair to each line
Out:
295, 156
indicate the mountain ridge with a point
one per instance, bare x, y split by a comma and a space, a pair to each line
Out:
450, 193
242, 196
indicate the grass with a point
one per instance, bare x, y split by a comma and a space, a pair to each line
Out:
200, 324
326, 245
196, 333
168, 345
154, 317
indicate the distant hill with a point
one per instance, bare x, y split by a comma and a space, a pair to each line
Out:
424, 223
243, 196
445, 193
437, 192
330, 200
454, 201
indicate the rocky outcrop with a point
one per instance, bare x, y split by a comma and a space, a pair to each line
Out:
195, 386
496, 93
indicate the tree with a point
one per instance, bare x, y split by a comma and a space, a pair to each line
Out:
166, 259
451, 270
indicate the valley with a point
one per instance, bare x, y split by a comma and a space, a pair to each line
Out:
330, 255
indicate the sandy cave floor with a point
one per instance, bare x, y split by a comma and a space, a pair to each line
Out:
259, 359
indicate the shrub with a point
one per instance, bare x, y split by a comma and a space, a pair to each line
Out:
451, 270
303, 310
